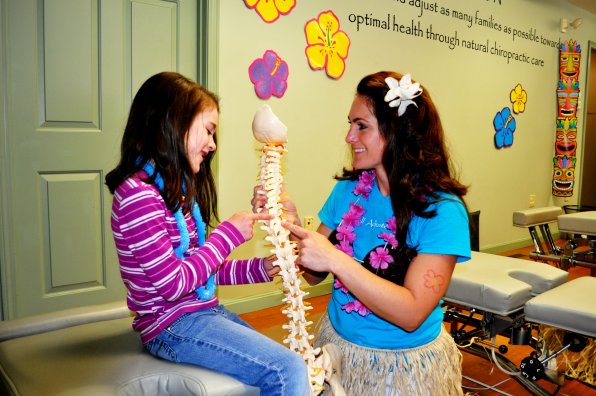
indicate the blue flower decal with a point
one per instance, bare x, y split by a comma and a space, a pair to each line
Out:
504, 127
269, 74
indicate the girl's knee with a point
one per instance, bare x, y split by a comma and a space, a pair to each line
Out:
287, 376
294, 363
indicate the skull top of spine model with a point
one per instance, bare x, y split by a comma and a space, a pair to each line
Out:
267, 128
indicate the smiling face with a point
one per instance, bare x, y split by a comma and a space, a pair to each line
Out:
569, 64
364, 136
200, 139
566, 144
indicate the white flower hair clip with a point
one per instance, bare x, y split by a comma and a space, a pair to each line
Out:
401, 93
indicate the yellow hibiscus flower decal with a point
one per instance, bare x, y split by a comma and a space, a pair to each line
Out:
518, 97
269, 10
327, 45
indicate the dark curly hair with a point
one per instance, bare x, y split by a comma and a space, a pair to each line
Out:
160, 116
415, 158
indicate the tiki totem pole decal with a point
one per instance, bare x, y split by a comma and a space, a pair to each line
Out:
567, 99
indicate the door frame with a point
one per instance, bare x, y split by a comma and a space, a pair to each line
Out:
591, 54
208, 56
6, 277
207, 40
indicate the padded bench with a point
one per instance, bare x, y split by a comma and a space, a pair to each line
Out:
583, 223
507, 295
94, 351
541, 218
571, 307
536, 216
500, 284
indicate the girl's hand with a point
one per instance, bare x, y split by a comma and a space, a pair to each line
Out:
245, 222
271, 269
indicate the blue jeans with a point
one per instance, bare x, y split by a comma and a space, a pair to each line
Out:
219, 340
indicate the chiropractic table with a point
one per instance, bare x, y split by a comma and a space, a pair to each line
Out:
494, 295
93, 351
580, 227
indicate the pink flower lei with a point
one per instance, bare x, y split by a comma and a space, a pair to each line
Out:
380, 257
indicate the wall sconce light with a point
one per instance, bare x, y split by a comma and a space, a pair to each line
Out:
574, 24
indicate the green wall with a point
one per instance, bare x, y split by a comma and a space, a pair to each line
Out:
469, 87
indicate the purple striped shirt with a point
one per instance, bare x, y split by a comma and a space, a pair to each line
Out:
161, 286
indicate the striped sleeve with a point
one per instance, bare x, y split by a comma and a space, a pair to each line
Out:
241, 272
142, 224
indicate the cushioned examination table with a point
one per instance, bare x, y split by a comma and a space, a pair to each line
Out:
499, 284
505, 285
578, 223
509, 295
571, 307
94, 351
578, 250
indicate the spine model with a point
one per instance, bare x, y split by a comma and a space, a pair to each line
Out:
269, 130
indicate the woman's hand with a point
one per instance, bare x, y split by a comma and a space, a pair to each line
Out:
245, 222
290, 210
259, 199
316, 253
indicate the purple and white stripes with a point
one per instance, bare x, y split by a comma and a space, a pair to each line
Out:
161, 286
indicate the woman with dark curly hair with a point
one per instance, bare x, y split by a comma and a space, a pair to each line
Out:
391, 233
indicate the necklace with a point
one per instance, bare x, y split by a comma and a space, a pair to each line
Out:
380, 257
207, 291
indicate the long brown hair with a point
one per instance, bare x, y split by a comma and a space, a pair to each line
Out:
415, 158
160, 116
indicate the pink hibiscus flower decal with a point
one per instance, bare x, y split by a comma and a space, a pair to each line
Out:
380, 258
269, 75
356, 306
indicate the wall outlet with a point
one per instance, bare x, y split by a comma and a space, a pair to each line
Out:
309, 222
532, 200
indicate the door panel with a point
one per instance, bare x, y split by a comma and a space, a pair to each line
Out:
154, 26
72, 69
74, 259
70, 81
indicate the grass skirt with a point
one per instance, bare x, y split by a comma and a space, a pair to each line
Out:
431, 369
579, 365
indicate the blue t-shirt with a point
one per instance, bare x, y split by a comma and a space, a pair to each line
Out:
446, 233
